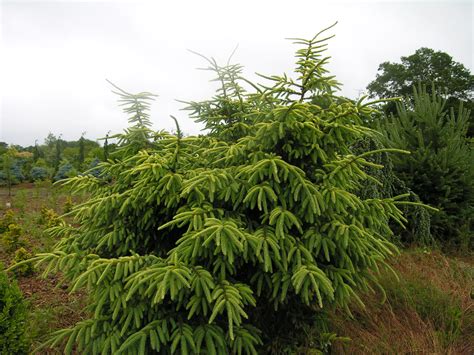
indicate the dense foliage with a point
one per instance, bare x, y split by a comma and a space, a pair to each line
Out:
39, 173
417, 229
440, 169
425, 67
64, 171
13, 313
229, 242
11, 172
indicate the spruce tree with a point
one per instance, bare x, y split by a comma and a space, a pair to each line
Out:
57, 154
417, 230
82, 153
219, 243
11, 169
440, 169
106, 147
36, 152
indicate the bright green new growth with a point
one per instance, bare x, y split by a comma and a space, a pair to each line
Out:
206, 244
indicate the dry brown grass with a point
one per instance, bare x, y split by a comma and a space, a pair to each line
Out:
398, 328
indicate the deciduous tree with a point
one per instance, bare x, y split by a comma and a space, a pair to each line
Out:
426, 67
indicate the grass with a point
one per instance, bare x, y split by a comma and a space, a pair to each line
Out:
429, 309
51, 306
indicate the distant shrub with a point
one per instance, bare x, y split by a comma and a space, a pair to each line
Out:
13, 316
25, 269
49, 218
11, 238
7, 219
41, 163
39, 173
66, 170
11, 164
15, 174
93, 168
68, 205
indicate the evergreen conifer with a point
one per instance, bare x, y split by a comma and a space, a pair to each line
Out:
440, 169
220, 243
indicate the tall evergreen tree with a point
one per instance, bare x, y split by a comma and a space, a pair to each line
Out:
57, 153
7, 173
106, 147
36, 152
82, 152
440, 168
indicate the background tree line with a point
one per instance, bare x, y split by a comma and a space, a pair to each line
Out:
55, 159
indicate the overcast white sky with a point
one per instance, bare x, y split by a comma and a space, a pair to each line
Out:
56, 55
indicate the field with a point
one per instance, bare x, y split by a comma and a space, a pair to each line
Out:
429, 306
51, 305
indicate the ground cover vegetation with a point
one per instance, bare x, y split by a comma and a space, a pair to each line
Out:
47, 304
